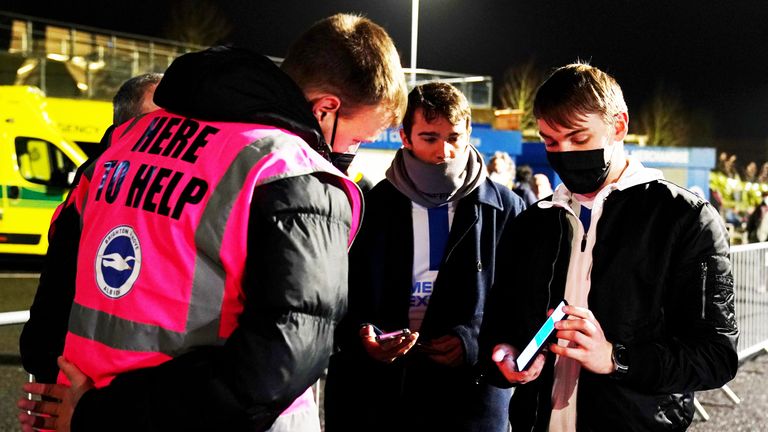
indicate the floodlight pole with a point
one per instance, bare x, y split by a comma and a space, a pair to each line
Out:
414, 37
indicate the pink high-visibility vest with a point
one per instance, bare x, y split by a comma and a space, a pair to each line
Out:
164, 229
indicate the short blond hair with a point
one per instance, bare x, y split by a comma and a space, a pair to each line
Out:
353, 58
574, 91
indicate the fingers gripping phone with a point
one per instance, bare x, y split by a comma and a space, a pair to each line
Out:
384, 337
392, 335
540, 338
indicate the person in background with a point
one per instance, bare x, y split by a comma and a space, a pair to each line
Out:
424, 261
750, 172
763, 176
135, 97
730, 168
524, 185
212, 267
722, 162
541, 186
501, 169
757, 223
643, 263
42, 338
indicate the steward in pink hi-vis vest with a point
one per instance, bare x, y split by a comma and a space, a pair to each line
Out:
204, 268
161, 264
167, 224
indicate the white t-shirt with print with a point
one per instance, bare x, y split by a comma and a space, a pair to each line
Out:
430, 237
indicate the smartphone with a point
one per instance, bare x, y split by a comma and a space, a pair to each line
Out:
383, 337
540, 338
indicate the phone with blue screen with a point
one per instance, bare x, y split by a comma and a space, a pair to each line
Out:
539, 340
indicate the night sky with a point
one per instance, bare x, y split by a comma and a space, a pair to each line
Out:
712, 52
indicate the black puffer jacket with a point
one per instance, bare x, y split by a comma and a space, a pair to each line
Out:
661, 285
295, 282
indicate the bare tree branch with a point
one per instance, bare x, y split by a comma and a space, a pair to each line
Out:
666, 120
198, 22
518, 90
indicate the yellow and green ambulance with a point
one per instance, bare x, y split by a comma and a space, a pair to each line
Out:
39, 154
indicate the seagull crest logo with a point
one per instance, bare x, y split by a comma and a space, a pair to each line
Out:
118, 262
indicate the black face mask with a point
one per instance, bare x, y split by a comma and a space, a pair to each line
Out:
582, 172
342, 161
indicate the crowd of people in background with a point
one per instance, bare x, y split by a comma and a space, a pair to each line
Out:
530, 186
740, 195
726, 164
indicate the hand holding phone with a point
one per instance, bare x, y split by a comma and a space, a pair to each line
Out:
541, 337
504, 356
386, 347
397, 334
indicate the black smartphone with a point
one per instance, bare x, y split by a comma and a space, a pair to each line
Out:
392, 335
541, 337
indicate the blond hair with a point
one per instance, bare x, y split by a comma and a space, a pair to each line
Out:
574, 91
353, 58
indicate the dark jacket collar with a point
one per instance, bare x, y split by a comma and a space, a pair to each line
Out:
487, 193
236, 85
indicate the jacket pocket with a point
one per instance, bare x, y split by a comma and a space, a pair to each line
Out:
717, 293
675, 411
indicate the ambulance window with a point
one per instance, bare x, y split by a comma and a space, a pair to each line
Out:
39, 161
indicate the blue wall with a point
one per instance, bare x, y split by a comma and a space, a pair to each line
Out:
692, 164
486, 140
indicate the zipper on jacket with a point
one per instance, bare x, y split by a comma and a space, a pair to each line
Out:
703, 288
563, 220
584, 242
453, 247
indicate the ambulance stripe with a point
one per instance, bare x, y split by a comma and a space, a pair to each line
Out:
44, 194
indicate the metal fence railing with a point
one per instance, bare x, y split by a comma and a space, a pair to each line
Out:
16, 317
68, 60
750, 274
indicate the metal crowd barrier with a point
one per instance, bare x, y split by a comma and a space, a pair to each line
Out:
750, 272
17, 317
750, 275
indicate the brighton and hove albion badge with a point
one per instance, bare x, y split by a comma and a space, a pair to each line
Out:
118, 262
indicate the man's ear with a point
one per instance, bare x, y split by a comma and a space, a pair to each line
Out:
404, 139
621, 126
324, 104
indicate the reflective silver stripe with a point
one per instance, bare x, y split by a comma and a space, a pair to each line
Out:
204, 314
120, 333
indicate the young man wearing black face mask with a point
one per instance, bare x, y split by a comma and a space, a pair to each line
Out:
643, 264
424, 260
